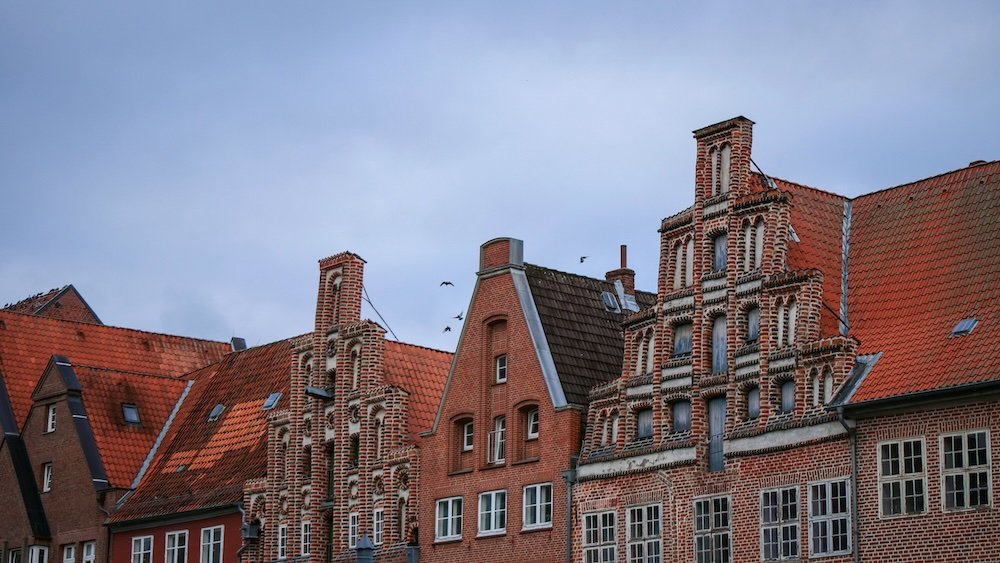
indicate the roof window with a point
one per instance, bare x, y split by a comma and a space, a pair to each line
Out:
272, 400
216, 412
609, 301
964, 326
131, 413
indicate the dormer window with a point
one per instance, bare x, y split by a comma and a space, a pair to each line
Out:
500, 368
130, 413
719, 252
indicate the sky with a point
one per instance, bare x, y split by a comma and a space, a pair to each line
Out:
186, 164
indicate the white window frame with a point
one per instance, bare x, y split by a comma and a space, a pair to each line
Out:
38, 554
901, 478
785, 523
46, 477
50, 418
532, 424
468, 436
829, 517
600, 537
714, 528
537, 514
500, 368
378, 526
353, 527
13, 556
492, 519
448, 511
142, 549
305, 538
643, 540
282, 541
965, 471
497, 454
69, 553
172, 547
214, 536
90, 551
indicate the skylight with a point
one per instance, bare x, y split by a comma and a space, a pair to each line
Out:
272, 400
964, 326
610, 303
131, 413
216, 412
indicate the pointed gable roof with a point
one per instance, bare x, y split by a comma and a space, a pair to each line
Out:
51, 304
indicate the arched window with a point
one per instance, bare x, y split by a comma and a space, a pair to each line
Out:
378, 424
689, 263
753, 324
753, 402
758, 243
719, 252
787, 396
679, 265
724, 172
355, 366
614, 427
650, 351
640, 358
714, 162
720, 363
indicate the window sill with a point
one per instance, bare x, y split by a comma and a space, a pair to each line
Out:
496, 534
494, 465
541, 528
440, 541
526, 460
531, 438
462, 471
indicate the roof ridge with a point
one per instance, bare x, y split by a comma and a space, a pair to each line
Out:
40, 294
135, 373
653, 293
804, 186
922, 180
105, 326
412, 345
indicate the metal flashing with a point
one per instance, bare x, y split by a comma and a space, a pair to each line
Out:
159, 438
844, 254
534, 323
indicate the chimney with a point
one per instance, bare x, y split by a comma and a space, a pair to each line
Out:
623, 274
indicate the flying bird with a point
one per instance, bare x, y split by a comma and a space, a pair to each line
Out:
582, 258
447, 283
446, 329
459, 316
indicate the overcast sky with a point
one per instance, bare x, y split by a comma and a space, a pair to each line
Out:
185, 164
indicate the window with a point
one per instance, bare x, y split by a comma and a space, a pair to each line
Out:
216, 412
305, 538
793, 311
753, 324
681, 411
272, 400
720, 363
758, 243
498, 441
353, 450
711, 530
901, 477
964, 327
753, 245
787, 396
531, 424
753, 402
827, 384
90, 552
468, 436
829, 518
614, 427
130, 413
69, 553
379, 431
353, 525
779, 524
599, 538
50, 419
689, 263
724, 169
14, 556
176, 547
537, 506
644, 424
679, 265
142, 549
500, 363
719, 256
211, 545
355, 366
448, 519
714, 158
644, 534
46, 477
682, 339
966, 470
38, 554
378, 526
492, 513
282, 541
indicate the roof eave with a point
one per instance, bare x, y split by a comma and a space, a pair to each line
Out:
922, 400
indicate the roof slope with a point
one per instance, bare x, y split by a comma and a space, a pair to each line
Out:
60, 303
924, 256
584, 338
27, 342
422, 373
204, 464
123, 446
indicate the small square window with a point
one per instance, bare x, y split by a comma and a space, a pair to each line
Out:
131, 413
501, 368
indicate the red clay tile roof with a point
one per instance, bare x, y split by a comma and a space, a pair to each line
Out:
27, 342
924, 256
123, 446
204, 464
422, 373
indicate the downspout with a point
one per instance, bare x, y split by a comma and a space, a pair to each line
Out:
570, 477
852, 437
243, 526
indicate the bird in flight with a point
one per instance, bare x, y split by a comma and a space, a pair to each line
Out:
459, 316
446, 329
582, 258
447, 283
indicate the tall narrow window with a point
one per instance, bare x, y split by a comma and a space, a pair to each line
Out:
747, 246
640, 359
719, 253
600, 538
965, 464
793, 312
902, 481
644, 534
679, 265
712, 530
500, 363
355, 366
531, 424
758, 243
681, 413
176, 547
720, 362
787, 396
90, 551
468, 436
829, 518
753, 324
714, 162
498, 441
50, 419
779, 528
492, 513
753, 402
46, 477
614, 427
682, 339
827, 384
537, 506
781, 324
448, 519
378, 526
305, 538
650, 352
724, 169
716, 433
815, 386
282, 541
689, 263
644, 424
142, 549
353, 527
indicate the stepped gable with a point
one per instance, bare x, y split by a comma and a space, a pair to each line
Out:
923, 257
204, 463
27, 342
585, 339
422, 373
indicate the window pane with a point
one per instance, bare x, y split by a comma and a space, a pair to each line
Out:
682, 416
719, 352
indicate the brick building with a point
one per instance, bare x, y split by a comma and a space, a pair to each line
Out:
61, 303
510, 419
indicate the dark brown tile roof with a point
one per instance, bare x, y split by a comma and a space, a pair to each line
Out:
585, 339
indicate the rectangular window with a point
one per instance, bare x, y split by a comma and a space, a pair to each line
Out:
378, 526
501, 368
90, 552
38, 554
498, 441
682, 339
448, 519
176, 547
600, 543
719, 253
965, 459
306, 538
46, 477
50, 419
644, 534
779, 524
69, 553
720, 357
712, 530
353, 524
829, 518
902, 481
492, 513
468, 436
211, 545
14, 556
644, 424
142, 549
537, 506
681, 411
532, 424
282, 541
130, 413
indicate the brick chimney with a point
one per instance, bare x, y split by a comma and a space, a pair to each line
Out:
623, 274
